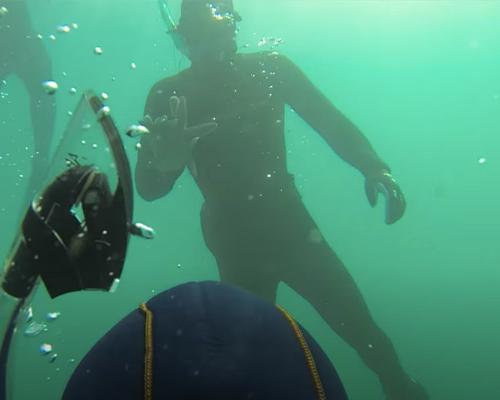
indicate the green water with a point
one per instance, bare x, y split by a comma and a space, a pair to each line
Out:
420, 78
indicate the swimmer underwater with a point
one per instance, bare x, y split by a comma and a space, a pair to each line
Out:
223, 119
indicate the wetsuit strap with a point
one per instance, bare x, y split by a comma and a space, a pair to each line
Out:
311, 364
148, 352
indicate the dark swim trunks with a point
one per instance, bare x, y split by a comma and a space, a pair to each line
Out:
266, 226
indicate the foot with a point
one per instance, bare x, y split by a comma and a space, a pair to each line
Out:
409, 389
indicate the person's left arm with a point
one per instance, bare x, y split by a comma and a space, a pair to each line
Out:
340, 133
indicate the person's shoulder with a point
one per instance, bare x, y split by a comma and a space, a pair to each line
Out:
265, 59
169, 84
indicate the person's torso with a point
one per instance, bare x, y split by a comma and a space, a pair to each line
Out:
245, 158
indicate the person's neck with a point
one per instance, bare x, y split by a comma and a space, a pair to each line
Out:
212, 64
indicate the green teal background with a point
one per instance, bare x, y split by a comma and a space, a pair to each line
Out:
420, 78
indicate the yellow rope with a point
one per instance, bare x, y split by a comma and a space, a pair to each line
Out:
311, 364
148, 353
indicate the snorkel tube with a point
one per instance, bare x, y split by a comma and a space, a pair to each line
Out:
75, 234
172, 28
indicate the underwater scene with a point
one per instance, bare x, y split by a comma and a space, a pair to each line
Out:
250, 199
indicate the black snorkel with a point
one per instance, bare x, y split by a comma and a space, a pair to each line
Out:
67, 251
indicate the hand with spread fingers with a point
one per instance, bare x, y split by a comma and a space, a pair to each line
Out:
384, 183
170, 140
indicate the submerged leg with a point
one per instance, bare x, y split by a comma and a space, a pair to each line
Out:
34, 69
249, 275
318, 275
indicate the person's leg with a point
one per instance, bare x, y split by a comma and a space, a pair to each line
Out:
239, 256
34, 67
316, 273
253, 275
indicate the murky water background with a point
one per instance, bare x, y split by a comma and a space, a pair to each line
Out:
421, 80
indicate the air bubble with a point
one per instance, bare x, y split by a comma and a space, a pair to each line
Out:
136, 130
63, 29
103, 112
50, 87
45, 349
52, 316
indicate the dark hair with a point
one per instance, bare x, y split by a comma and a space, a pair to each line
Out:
197, 12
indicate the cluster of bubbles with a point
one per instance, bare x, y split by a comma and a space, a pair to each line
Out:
34, 329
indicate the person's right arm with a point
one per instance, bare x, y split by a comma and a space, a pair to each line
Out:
167, 148
153, 182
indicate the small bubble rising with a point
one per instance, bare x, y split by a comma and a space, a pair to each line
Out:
63, 29
72, 90
52, 37
133, 66
83, 142
144, 231
39, 36
136, 130
138, 146
50, 87
482, 160
103, 112
3, 11
98, 51
94, 146
45, 349
70, 113
52, 316
104, 96
74, 25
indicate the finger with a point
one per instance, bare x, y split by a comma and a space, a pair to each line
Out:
182, 111
200, 131
147, 121
371, 193
396, 206
160, 120
174, 102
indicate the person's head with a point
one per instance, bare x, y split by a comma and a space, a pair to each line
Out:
208, 28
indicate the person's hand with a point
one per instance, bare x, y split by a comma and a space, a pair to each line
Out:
395, 203
170, 140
